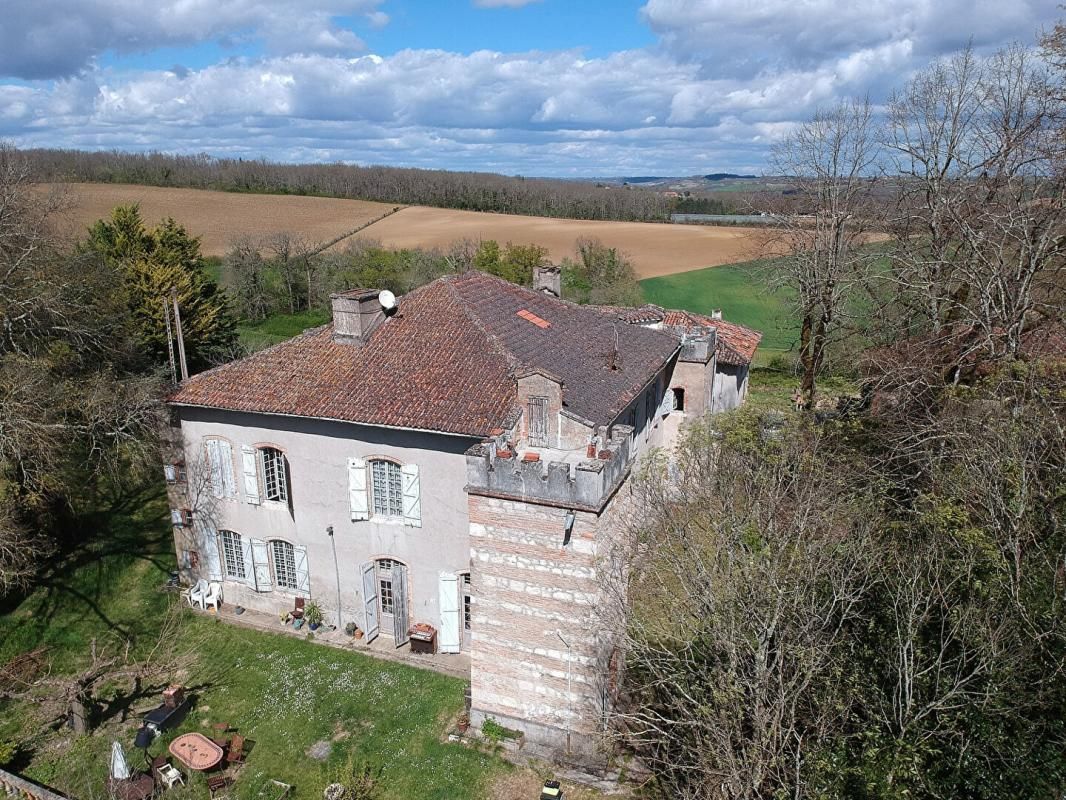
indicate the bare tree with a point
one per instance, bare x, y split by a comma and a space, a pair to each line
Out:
829, 163
753, 561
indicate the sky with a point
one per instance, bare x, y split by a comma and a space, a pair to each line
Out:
568, 88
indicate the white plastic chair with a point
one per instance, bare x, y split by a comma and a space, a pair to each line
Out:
213, 596
169, 775
198, 593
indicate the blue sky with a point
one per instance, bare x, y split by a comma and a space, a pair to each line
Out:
534, 87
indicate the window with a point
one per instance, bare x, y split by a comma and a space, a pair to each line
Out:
232, 555
538, 421
649, 406
387, 489
385, 594
678, 399
466, 600
284, 564
275, 475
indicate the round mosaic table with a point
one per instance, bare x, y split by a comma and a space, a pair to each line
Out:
196, 751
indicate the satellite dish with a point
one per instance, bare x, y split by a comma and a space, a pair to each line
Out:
387, 300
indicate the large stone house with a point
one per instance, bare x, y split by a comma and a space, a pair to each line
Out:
458, 460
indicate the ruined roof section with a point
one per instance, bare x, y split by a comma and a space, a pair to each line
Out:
735, 344
446, 361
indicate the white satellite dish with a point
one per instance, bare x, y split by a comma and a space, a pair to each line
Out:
387, 299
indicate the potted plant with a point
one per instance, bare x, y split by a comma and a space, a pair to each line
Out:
313, 615
350, 628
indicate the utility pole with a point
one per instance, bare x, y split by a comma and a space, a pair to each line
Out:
337, 568
181, 336
170, 342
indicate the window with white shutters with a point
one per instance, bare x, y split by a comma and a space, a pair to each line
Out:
233, 555
281, 553
275, 475
386, 488
220, 465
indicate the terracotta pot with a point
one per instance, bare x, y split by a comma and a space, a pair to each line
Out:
605, 455
531, 457
504, 454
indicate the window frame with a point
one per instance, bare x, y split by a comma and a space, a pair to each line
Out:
391, 500
290, 553
231, 544
466, 595
273, 468
383, 575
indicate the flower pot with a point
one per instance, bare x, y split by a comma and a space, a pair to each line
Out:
297, 624
313, 625
358, 634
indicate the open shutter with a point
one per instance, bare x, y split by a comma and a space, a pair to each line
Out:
303, 579
212, 558
225, 457
215, 465
261, 566
450, 614
357, 498
248, 560
370, 601
250, 469
400, 620
412, 500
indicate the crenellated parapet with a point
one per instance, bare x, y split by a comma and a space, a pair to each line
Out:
494, 469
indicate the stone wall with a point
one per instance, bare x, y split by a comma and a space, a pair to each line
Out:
533, 596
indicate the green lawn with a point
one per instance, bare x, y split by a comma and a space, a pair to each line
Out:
279, 327
742, 292
283, 693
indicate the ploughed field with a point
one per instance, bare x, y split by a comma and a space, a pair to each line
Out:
221, 217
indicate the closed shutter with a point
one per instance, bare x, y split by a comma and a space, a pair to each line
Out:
450, 614
212, 557
357, 498
261, 566
370, 601
400, 621
225, 457
248, 560
412, 500
214, 463
250, 471
303, 578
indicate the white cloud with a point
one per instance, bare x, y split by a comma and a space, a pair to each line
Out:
725, 81
58, 38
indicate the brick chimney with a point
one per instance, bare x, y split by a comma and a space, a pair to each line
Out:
356, 313
548, 280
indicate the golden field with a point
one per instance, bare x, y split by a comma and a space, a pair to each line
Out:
219, 218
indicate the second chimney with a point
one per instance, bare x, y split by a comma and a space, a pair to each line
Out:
548, 280
356, 313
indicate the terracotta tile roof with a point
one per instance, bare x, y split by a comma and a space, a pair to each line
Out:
446, 361
736, 344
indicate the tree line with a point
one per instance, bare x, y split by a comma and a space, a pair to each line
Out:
286, 273
470, 191
869, 601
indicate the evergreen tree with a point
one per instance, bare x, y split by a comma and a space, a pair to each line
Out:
153, 264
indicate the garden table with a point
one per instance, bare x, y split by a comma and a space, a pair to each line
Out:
196, 751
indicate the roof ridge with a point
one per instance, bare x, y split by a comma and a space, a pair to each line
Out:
512, 363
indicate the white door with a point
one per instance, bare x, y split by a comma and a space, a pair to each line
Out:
450, 636
370, 601
400, 621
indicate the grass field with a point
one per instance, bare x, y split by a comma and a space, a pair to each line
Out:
282, 692
743, 293
221, 217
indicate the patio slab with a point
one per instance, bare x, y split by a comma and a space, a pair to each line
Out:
455, 664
